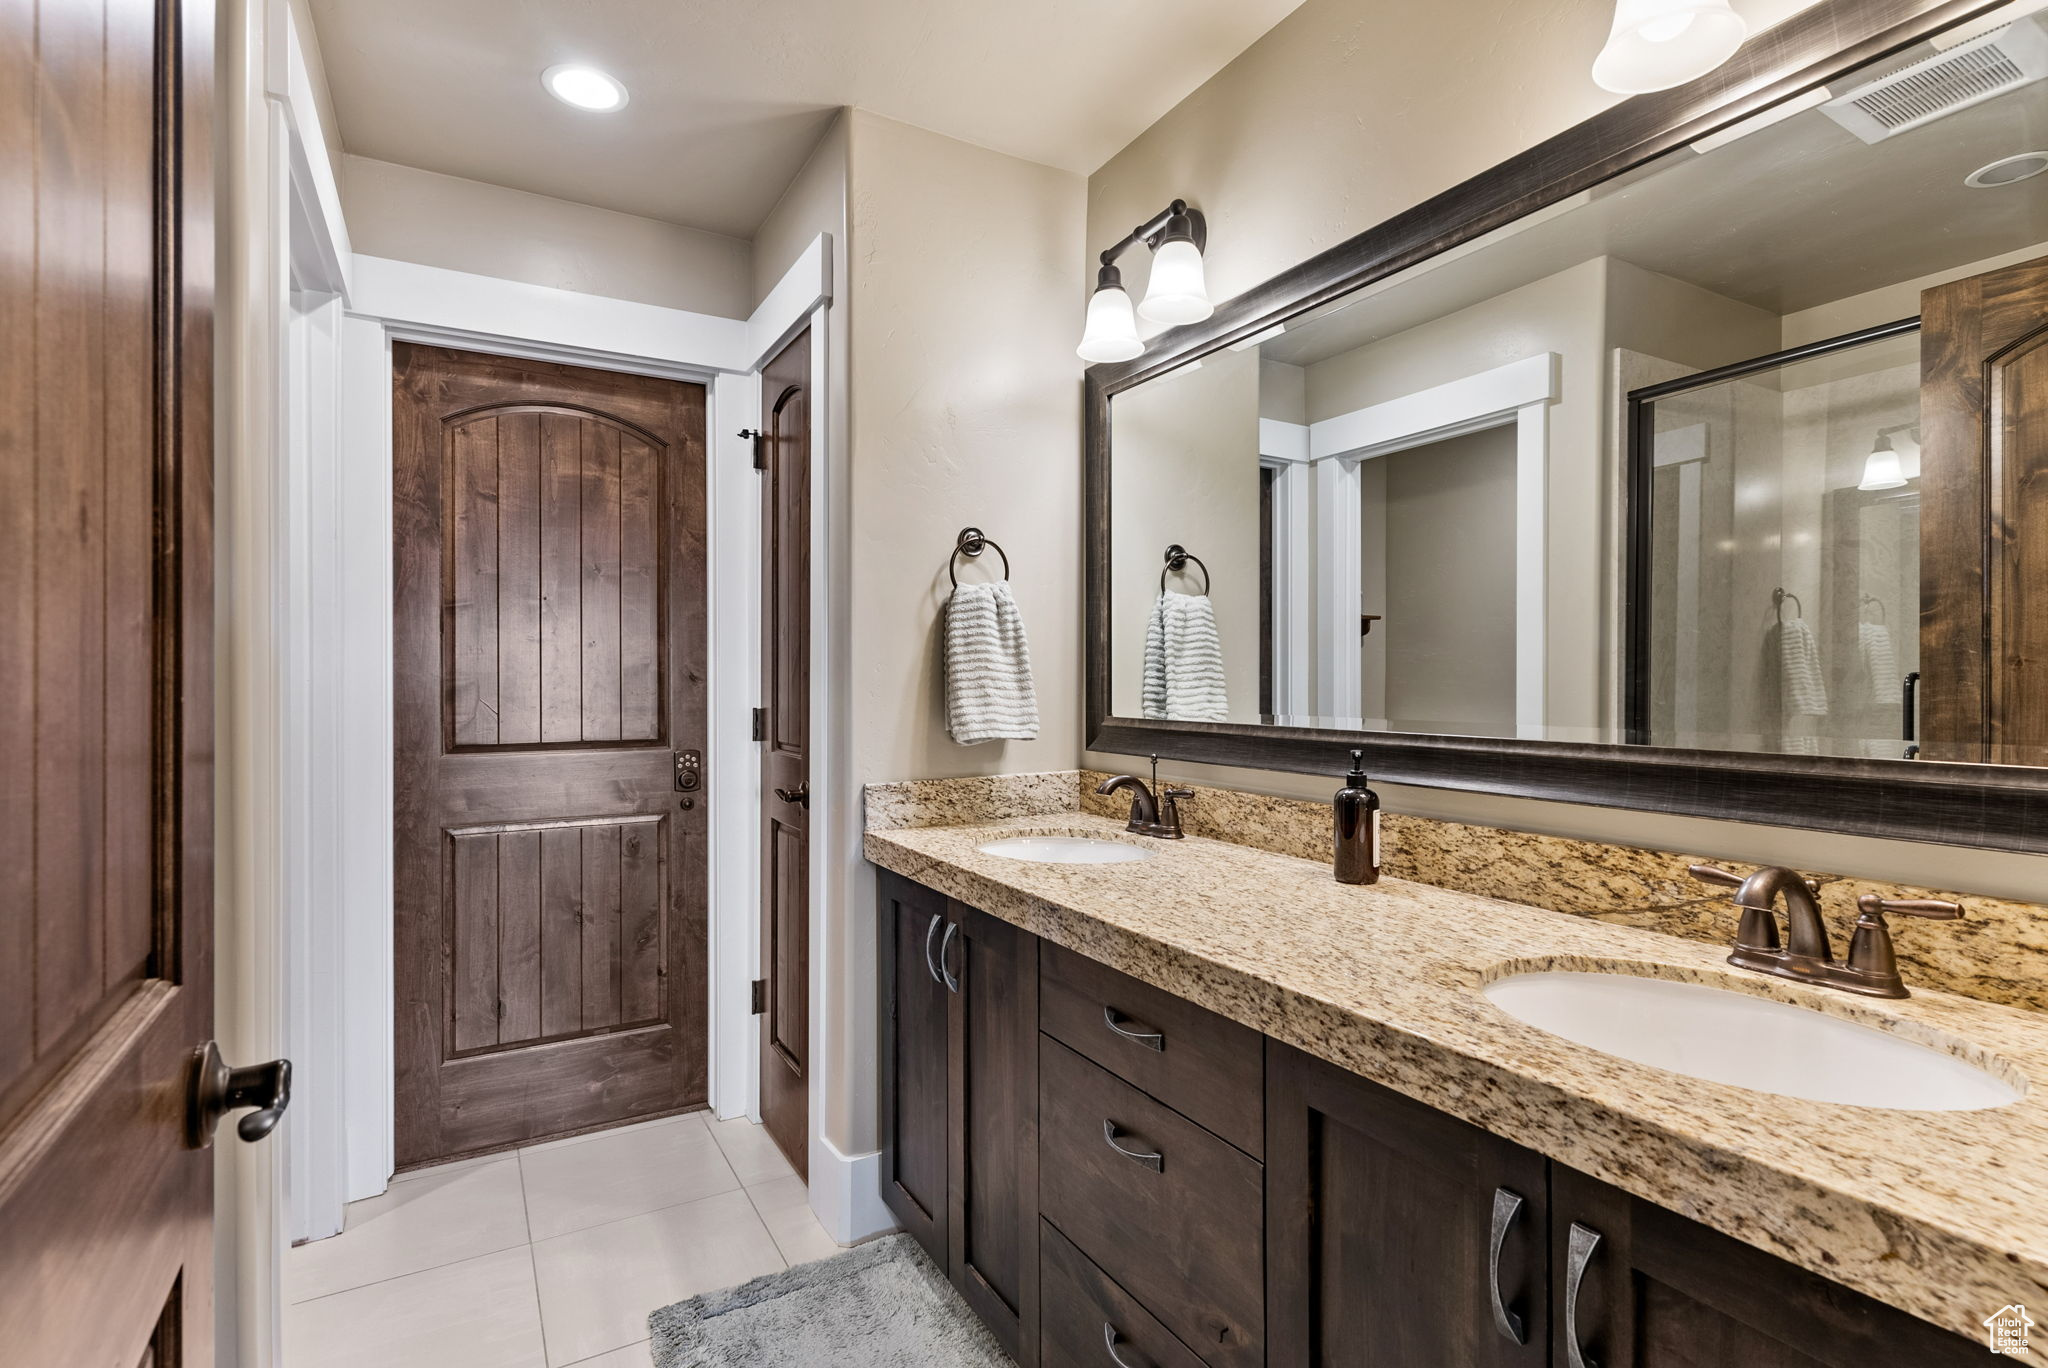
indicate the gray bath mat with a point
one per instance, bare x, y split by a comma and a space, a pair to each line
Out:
878, 1305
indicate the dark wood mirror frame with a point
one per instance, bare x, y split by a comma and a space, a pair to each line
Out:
1955, 804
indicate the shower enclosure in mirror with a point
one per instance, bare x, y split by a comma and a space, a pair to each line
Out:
1712, 429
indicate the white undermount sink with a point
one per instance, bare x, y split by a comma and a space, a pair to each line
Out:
1751, 1042
1065, 850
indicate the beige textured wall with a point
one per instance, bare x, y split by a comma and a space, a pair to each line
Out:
966, 409
1347, 112
1563, 313
814, 202
463, 225
1187, 473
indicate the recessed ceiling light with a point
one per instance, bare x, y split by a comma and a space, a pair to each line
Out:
2006, 170
585, 87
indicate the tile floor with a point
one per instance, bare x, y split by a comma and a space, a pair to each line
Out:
548, 1256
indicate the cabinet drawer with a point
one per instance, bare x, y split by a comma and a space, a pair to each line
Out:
1206, 1067
1182, 1233
1086, 1318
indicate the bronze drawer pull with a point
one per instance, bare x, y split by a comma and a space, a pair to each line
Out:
1109, 1339
1579, 1252
1151, 1040
1153, 1160
1506, 1207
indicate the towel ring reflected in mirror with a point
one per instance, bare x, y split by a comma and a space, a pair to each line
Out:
972, 542
1177, 558
1778, 597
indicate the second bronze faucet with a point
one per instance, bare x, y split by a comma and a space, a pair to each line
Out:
1807, 954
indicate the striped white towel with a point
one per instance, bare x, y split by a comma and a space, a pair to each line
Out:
989, 696
1805, 692
1880, 662
1184, 661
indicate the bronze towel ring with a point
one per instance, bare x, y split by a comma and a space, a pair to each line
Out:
1177, 558
971, 542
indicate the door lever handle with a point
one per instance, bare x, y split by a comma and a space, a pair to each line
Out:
800, 795
218, 1090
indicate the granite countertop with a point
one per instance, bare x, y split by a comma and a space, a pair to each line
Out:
1942, 1214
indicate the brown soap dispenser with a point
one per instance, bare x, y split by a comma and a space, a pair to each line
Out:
1357, 816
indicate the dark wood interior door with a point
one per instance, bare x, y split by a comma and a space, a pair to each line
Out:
550, 660
106, 699
1984, 456
785, 446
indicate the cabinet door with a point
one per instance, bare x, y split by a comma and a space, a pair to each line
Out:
1641, 1287
992, 1220
912, 921
1396, 1235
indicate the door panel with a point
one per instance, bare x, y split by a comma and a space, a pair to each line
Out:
1382, 1218
992, 1233
914, 1060
785, 447
106, 703
1984, 449
550, 615
1643, 1287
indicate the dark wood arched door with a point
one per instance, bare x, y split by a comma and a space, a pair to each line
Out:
550, 714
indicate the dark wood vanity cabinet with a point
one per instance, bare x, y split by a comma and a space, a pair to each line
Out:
1397, 1234
1112, 1176
960, 1099
1637, 1286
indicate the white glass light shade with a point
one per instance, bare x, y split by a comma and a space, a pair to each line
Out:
1178, 292
1112, 331
1882, 470
1657, 44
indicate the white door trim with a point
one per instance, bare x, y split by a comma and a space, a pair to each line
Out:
1283, 447
1518, 393
393, 300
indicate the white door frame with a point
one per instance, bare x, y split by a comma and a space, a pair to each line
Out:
1283, 447
1518, 393
400, 301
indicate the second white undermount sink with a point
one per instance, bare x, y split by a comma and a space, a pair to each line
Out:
1730, 1037
1065, 850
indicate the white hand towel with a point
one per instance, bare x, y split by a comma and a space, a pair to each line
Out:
1805, 693
1184, 661
989, 696
1880, 663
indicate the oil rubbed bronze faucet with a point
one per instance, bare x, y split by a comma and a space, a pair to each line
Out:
1807, 955
1149, 816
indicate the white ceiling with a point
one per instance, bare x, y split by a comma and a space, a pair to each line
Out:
729, 96
1797, 214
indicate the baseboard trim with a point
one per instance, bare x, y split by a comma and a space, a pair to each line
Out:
846, 1193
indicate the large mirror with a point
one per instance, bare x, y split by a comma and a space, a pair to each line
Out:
1745, 450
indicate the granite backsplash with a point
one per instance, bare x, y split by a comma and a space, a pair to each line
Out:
1997, 953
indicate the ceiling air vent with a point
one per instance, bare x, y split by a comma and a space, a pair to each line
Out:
1940, 85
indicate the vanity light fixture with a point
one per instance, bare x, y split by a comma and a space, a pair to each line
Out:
585, 87
1885, 468
1658, 44
1178, 291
